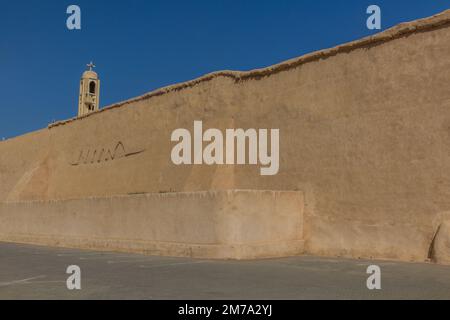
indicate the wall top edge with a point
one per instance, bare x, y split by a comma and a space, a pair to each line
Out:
401, 30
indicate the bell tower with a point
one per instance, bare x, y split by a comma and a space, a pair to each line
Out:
89, 92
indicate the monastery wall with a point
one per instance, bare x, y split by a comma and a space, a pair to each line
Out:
364, 134
236, 224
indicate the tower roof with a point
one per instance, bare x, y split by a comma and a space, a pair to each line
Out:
89, 74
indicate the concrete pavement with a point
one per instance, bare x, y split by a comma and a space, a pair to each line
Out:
32, 272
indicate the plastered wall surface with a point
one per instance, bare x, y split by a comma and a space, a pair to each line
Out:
238, 224
364, 134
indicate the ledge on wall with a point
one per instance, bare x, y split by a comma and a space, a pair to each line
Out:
232, 224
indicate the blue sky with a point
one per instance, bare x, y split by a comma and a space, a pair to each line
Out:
142, 45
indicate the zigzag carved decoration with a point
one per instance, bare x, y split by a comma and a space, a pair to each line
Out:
89, 156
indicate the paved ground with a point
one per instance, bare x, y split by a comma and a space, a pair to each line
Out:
31, 272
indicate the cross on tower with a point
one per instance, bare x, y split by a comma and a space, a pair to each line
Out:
90, 66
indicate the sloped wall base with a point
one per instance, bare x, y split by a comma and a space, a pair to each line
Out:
234, 224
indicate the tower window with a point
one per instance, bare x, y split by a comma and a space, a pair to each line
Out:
92, 87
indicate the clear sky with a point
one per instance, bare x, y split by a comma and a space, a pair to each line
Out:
142, 45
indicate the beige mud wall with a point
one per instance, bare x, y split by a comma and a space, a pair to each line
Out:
364, 133
235, 224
